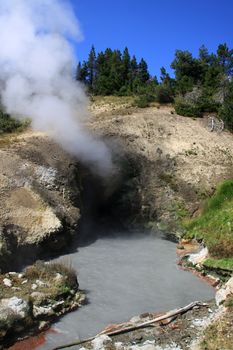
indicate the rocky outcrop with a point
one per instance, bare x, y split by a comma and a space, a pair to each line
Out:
225, 291
40, 196
29, 301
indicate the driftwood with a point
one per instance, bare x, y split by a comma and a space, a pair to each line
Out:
169, 315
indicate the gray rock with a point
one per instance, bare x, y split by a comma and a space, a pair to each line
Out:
14, 306
101, 341
39, 311
224, 292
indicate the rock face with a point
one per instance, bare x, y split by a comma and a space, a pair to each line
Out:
224, 292
40, 195
198, 258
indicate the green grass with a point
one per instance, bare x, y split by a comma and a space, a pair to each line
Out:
224, 264
215, 225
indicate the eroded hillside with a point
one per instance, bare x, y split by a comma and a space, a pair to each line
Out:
177, 161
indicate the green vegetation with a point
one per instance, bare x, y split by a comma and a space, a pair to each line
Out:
224, 264
187, 109
9, 124
226, 111
215, 227
200, 85
142, 101
114, 73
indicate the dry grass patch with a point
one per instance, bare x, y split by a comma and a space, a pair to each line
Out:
51, 279
219, 335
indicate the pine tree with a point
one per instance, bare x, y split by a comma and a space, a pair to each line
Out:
91, 65
164, 75
143, 73
82, 72
225, 59
78, 72
126, 66
204, 55
226, 112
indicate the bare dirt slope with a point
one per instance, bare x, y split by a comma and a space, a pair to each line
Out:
180, 162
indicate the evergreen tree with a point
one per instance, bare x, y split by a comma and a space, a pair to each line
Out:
201, 81
226, 111
165, 77
143, 73
133, 72
126, 65
225, 59
204, 56
78, 72
188, 71
82, 72
91, 66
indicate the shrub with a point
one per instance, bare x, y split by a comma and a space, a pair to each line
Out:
9, 124
142, 101
187, 110
164, 94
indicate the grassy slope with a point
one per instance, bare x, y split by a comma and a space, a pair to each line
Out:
215, 227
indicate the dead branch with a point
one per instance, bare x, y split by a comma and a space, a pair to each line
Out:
168, 315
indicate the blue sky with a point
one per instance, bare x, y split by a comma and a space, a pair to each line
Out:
154, 29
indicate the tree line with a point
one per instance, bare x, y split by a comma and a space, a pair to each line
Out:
200, 84
112, 72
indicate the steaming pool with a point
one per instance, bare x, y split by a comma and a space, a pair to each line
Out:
123, 276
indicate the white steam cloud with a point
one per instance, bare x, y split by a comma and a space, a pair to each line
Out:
36, 61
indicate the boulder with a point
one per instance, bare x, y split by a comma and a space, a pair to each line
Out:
19, 307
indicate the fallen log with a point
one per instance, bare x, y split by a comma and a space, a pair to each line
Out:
168, 315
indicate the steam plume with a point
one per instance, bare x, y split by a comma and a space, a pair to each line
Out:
36, 61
